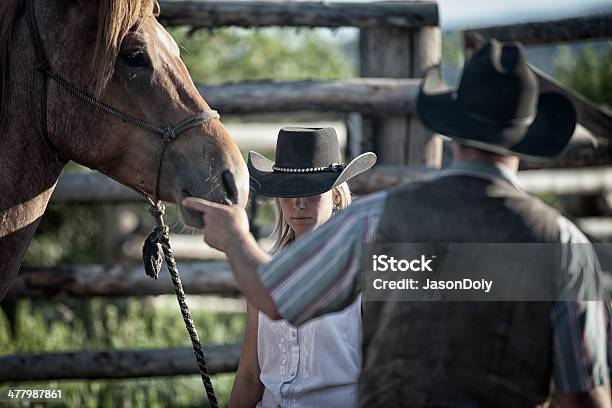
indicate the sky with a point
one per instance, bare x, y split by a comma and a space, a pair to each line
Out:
459, 14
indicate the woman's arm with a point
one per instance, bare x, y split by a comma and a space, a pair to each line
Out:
248, 389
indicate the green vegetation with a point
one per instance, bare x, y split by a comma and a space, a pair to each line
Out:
452, 52
233, 54
99, 324
588, 73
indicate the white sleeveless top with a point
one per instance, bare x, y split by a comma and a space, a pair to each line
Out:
315, 365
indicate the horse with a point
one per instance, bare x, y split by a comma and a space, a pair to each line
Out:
117, 58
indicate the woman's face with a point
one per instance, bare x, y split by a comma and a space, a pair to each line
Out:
305, 213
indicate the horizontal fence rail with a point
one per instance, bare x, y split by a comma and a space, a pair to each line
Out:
544, 181
559, 181
572, 29
114, 281
373, 96
90, 188
115, 364
364, 95
212, 14
95, 187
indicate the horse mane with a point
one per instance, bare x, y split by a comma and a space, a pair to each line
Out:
115, 19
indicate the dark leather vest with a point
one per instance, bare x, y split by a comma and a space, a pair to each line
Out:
459, 354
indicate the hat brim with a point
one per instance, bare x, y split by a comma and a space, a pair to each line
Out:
546, 138
270, 183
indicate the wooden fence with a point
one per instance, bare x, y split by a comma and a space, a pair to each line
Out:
398, 40
213, 14
387, 103
115, 364
593, 27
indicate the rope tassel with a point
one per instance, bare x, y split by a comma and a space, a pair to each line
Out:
153, 254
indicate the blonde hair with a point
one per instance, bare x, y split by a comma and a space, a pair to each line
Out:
283, 234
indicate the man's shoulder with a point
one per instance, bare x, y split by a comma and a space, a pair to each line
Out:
434, 188
467, 197
429, 183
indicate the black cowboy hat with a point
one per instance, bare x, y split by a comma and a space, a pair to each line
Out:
307, 162
498, 106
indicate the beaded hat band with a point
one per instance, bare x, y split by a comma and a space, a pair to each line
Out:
334, 167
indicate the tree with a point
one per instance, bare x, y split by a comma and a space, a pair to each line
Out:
233, 54
588, 73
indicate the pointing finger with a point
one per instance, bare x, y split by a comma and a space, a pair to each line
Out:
199, 204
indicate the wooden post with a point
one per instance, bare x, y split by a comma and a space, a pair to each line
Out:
400, 53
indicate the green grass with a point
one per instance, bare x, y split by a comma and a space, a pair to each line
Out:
99, 324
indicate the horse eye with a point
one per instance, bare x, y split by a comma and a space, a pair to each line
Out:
136, 58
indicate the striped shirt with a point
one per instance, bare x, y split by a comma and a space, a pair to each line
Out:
320, 273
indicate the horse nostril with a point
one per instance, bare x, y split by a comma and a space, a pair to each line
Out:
229, 185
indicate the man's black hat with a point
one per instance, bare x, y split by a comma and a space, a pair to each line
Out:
498, 106
307, 162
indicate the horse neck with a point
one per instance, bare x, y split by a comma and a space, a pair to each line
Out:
28, 165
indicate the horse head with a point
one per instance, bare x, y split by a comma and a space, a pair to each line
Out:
118, 53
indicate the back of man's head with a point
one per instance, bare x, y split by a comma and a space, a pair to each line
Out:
470, 153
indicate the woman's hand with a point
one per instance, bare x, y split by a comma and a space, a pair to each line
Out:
223, 224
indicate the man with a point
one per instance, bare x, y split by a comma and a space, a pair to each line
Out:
449, 354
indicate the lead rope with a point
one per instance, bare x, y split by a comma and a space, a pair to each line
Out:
156, 244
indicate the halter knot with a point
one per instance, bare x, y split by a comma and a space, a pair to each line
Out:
168, 135
157, 210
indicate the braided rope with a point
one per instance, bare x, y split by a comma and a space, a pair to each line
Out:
161, 231
167, 133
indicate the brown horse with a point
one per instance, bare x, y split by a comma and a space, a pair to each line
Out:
118, 52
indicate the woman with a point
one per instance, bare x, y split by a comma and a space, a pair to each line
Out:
316, 364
